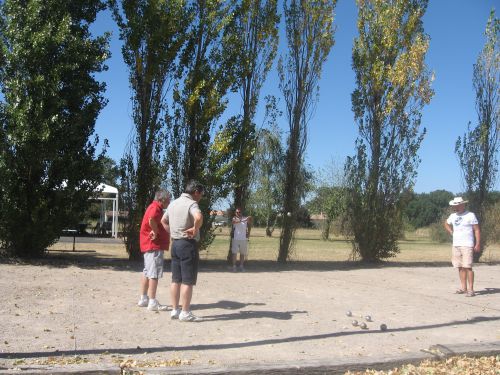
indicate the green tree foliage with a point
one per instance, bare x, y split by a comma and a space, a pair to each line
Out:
437, 231
478, 149
207, 72
267, 180
491, 225
48, 167
257, 26
303, 218
153, 34
329, 201
329, 197
427, 208
393, 85
110, 171
309, 32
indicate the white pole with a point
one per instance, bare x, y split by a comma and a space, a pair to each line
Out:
113, 220
117, 214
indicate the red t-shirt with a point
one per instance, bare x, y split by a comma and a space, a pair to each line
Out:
161, 242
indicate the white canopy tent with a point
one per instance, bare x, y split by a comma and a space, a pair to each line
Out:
108, 193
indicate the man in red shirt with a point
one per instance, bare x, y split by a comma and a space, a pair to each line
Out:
154, 240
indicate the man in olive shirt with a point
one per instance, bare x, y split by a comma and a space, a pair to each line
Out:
184, 218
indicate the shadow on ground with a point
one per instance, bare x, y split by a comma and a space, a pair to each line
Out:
90, 259
244, 344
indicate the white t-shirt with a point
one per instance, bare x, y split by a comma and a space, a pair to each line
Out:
463, 231
240, 229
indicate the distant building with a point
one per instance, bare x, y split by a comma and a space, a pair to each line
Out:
318, 219
218, 213
221, 219
122, 215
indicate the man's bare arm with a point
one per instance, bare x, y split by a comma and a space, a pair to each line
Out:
198, 222
154, 228
477, 234
164, 222
448, 228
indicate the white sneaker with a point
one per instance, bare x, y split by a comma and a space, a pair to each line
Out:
188, 317
154, 305
143, 302
174, 314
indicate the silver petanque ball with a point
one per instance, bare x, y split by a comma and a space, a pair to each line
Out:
363, 325
348, 313
383, 327
354, 323
368, 318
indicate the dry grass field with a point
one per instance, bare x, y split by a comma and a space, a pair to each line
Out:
415, 248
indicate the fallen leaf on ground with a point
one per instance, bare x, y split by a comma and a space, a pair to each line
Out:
453, 365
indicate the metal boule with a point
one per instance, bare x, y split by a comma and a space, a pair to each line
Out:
354, 323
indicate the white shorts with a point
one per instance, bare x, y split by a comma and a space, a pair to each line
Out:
240, 246
462, 256
153, 264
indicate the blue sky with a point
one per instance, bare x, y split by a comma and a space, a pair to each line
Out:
456, 29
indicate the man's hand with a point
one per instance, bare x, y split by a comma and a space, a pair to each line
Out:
191, 232
153, 235
198, 222
477, 248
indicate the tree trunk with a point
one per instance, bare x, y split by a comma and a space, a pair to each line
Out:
325, 235
291, 198
132, 240
229, 257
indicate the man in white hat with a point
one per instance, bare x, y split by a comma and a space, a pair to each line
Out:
464, 228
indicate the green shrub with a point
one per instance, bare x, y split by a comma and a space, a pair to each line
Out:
490, 229
438, 233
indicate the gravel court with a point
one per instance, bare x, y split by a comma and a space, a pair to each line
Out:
253, 319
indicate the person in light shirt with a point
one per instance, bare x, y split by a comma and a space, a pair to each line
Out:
464, 228
241, 233
184, 219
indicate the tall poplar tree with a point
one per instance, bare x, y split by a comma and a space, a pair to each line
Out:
207, 72
393, 85
153, 33
257, 24
309, 32
478, 149
51, 99
329, 197
267, 171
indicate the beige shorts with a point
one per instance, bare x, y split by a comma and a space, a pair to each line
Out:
153, 264
239, 246
461, 256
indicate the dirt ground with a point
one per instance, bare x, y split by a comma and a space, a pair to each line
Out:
79, 314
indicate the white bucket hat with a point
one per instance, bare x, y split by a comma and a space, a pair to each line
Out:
457, 201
